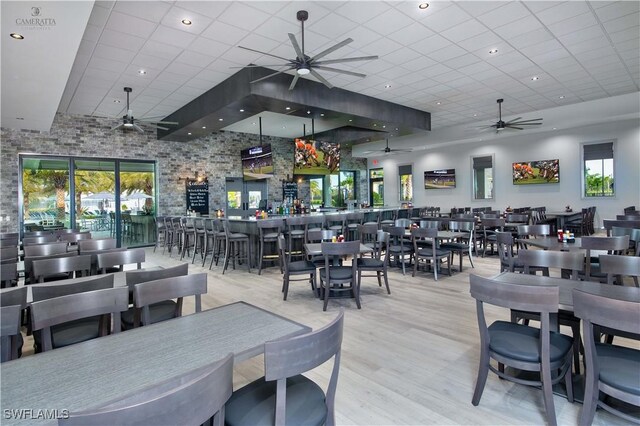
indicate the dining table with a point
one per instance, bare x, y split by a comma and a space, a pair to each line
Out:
564, 217
97, 372
315, 249
551, 243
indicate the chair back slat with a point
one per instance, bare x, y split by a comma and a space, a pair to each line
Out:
608, 312
9, 241
28, 263
14, 296
10, 318
605, 243
609, 223
29, 241
97, 244
142, 276
45, 249
531, 298
9, 254
74, 237
614, 265
552, 259
64, 288
150, 292
120, 258
48, 267
340, 249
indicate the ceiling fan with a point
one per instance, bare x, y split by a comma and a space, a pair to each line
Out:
512, 124
388, 150
305, 64
128, 121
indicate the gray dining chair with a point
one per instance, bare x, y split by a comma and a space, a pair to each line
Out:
59, 310
378, 263
10, 318
612, 245
520, 346
47, 249
618, 267
8, 275
119, 259
489, 228
150, 293
338, 279
463, 245
400, 247
429, 254
9, 254
61, 268
634, 238
611, 370
284, 395
526, 232
12, 297
509, 261
191, 398
318, 236
237, 247
300, 267
30, 278
96, 244
296, 232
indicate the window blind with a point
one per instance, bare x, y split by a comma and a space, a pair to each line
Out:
598, 151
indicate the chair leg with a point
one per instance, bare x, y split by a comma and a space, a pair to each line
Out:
386, 281
356, 292
327, 288
547, 393
591, 396
285, 286
483, 372
260, 257
227, 252
471, 258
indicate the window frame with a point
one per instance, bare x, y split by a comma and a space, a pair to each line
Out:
401, 199
583, 171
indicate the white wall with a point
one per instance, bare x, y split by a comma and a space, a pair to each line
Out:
563, 144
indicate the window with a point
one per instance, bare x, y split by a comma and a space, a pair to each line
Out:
317, 193
482, 177
376, 187
406, 182
598, 170
342, 188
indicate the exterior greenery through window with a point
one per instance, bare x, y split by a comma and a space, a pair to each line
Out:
598, 170
316, 191
342, 188
406, 182
376, 187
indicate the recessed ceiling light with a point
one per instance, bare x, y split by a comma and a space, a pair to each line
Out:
375, 125
423, 6
241, 110
396, 129
117, 101
220, 119
387, 86
475, 115
254, 123
438, 103
322, 115
288, 108
204, 127
186, 21
142, 72
16, 36
493, 51
535, 78
189, 133
284, 127
555, 128
308, 112
350, 120
384, 126
561, 97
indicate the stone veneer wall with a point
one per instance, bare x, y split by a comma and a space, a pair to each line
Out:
216, 155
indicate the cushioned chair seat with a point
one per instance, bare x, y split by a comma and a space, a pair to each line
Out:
71, 332
397, 249
521, 342
160, 311
270, 236
338, 272
255, 404
367, 262
455, 246
302, 265
615, 363
238, 236
296, 232
428, 252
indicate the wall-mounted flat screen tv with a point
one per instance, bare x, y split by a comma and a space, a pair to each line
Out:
316, 157
440, 179
535, 172
257, 162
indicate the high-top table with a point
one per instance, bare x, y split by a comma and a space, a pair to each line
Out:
94, 373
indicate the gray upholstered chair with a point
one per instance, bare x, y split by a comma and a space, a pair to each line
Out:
378, 263
620, 266
164, 309
284, 395
10, 317
8, 275
48, 269
48, 313
429, 254
237, 247
150, 293
464, 245
612, 245
29, 260
191, 398
611, 370
12, 297
46, 249
520, 346
300, 267
119, 259
399, 246
9, 254
334, 277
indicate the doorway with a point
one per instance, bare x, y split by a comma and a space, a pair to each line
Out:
245, 197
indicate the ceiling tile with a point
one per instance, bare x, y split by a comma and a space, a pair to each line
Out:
624, 22
113, 53
151, 11
130, 24
99, 15
172, 37
532, 37
121, 40
515, 28
362, 11
445, 19
160, 50
464, 31
631, 33
617, 9
92, 33
107, 64
447, 53
388, 22
276, 29
333, 24
537, 5
194, 58
413, 33
477, 8
575, 23
173, 19
402, 55
243, 16
562, 11
211, 9
511, 11
232, 34
461, 61
486, 39
582, 35
147, 61
270, 7
431, 44
418, 64
209, 47
188, 71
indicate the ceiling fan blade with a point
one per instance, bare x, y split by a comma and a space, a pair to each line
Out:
337, 61
401, 150
524, 121
507, 126
321, 78
294, 81
515, 119
331, 49
524, 124
356, 74
296, 47
258, 66
138, 128
146, 120
264, 53
271, 75
118, 126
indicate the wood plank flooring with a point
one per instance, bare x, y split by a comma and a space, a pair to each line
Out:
409, 358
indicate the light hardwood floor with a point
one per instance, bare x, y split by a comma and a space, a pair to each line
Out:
409, 358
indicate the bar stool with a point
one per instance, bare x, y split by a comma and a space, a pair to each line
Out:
209, 236
198, 235
268, 232
234, 247
176, 240
371, 218
168, 234
315, 222
296, 232
353, 221
219, 240
160, 232
337, 223
186, 233
388, 218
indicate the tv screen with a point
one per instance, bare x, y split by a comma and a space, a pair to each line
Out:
533, 172
257, 162
440, 179
316, 157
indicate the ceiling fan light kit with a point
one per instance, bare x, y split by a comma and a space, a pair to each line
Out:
514, 124
128, 120
304, 64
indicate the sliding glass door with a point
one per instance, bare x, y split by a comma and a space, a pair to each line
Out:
108, 197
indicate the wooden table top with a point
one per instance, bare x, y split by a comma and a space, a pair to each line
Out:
551, 243
315, 249
96, 372
566, 287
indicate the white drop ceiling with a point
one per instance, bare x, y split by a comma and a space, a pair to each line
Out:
436, 60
